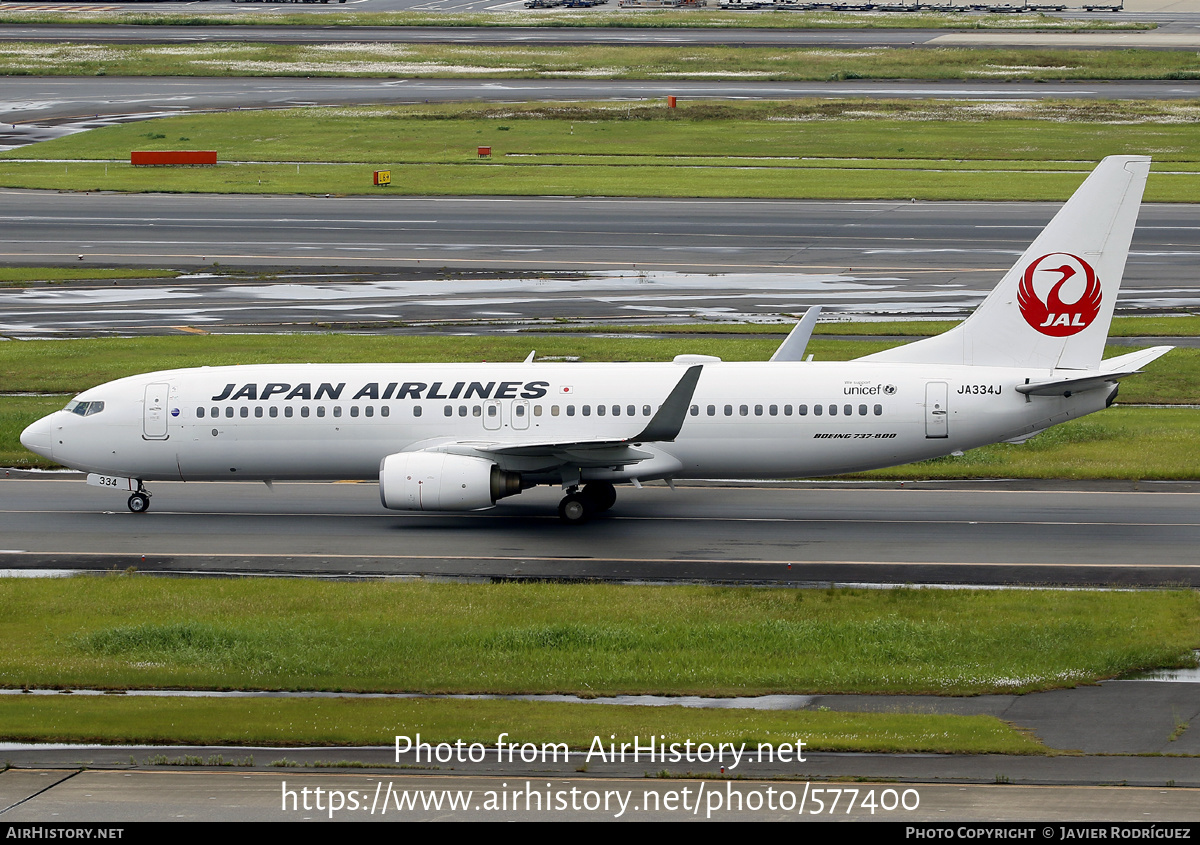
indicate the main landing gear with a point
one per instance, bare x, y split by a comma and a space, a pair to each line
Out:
580, 505
139, 502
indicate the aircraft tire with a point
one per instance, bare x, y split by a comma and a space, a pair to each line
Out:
575, 509
601, 494
139, 503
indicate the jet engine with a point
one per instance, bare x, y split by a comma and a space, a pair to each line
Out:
436, 481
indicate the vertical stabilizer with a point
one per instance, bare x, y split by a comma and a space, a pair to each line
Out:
1053, 308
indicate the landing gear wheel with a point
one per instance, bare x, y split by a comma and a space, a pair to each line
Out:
139, 503
601, 494
574, 509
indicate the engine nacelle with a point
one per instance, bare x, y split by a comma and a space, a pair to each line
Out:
436, 481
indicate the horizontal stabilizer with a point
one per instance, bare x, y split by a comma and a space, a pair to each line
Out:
1110, 371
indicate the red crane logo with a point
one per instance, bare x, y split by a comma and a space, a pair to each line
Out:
1052, 316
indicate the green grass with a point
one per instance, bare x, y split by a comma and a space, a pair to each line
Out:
903, 151
643, 18
590, 61
343, 722
133, 632
21, 276
806, 133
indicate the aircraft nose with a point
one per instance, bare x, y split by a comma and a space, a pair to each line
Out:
39, 438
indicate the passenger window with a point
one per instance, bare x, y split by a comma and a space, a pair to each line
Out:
848, 410
878, 410
599, 410
416, 410
448, 410
712, 410
695, 410
337, 410
518, 410
630, 410
862, 410
758, 410
817, 410
287, 411
491, 410
554, 410
477, 410
616, 409
587, 410
354, 410
200, 413
229, 411
215, 412
537, 410
833, 410
320, 410
369, 410
774, 409
729, 410
570, 410
787, 410
304, 410
274, 411
245, 412
744, 410
258, 412
385, 411
462, 410
645, 410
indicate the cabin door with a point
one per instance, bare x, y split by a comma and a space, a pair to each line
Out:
936, 409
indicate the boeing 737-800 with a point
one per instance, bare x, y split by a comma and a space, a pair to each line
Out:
459, 437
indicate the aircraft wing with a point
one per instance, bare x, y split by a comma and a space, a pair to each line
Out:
1110, 371
663, 427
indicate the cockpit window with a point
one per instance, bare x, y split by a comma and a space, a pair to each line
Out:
84, 409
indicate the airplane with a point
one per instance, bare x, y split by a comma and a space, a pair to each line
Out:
460, 437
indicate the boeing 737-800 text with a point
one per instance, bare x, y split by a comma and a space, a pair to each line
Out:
457, 437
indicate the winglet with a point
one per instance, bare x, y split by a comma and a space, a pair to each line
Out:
793, 346
664, 426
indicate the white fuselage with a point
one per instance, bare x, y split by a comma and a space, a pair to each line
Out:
338, 421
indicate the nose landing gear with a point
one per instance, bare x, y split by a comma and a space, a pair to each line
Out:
139, 502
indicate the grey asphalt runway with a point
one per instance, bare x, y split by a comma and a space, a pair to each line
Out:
1000, 533
937, 243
